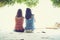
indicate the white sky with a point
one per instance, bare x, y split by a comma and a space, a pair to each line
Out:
45, 15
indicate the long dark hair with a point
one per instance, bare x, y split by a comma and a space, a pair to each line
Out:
28, 13
19, 13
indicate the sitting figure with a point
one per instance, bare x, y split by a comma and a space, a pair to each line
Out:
19, 21
29, 21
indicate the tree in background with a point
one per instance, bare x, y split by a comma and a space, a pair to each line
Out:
6, 2
29, 3
56, 3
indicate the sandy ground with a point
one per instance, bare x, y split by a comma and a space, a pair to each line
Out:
50, 34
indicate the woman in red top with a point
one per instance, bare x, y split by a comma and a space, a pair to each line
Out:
19, 21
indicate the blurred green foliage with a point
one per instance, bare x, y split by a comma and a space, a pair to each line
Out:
29, 3
6, 2
56, 3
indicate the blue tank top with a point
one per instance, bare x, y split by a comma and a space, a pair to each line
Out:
30, 23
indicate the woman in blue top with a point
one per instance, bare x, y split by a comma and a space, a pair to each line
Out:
29, 21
